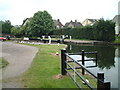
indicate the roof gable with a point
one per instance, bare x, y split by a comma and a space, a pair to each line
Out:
89, 21
117, 19
74, 24
58, 24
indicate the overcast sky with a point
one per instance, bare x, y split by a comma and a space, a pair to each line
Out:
65, 10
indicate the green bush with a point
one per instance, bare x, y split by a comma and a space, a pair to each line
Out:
102, 31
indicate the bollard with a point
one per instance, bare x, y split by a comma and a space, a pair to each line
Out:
63, 64
100, 81
107, 85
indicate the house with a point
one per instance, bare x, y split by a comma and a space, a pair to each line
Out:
73, 24
25, 21
89, 22
58, 24
116, 19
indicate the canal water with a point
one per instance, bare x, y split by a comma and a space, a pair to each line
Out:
108, 61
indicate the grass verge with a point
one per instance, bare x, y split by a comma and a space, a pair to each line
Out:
45, 70
117, 39
3, 62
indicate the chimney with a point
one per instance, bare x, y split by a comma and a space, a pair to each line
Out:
58, 20
75, 20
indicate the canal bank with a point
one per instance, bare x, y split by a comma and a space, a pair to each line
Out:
90, 42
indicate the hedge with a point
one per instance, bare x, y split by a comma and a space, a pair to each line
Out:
102, 31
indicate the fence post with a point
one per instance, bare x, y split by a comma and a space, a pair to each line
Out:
100, 81
83, 61
63, 64
96, 57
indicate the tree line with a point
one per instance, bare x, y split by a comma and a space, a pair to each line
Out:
103, 30
5, 27
42, 24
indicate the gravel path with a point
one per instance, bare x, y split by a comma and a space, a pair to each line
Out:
19, 57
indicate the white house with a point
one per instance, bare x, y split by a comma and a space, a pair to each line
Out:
89, 22
116, 19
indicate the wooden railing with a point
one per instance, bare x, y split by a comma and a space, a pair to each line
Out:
66, 66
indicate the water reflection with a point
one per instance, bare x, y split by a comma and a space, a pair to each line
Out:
108, 61
106, 57
117, 55
106, 54
117, 52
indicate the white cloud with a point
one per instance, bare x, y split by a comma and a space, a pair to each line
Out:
66, 10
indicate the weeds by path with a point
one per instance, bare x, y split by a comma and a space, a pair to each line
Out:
3, 62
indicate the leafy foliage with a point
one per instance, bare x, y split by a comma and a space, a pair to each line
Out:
41, 24
105, 30
6, 27
16, 31
25, 30
102, 31
117, 39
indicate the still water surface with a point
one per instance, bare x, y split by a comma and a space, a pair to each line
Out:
108, 61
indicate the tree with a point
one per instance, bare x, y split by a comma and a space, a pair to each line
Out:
41, 24
105, 30
16, 31
25, 30
6, 27
1, 22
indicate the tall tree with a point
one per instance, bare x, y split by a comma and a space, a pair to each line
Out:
41, 24
6, 27
1, 22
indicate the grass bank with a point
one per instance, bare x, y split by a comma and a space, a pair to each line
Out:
45, 70
3, 62
117, 39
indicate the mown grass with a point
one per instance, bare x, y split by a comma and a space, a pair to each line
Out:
44, 69
3, 62
117, 39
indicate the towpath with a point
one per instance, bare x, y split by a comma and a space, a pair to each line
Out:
20, 58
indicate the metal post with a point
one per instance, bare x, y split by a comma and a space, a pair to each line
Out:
83, 61
100, 81
63, 64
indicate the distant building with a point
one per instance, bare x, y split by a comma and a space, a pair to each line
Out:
89, 22
119, 8
116, 19
58, 24
17, 26
73, 24
25, 21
